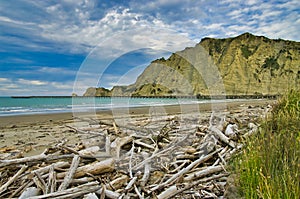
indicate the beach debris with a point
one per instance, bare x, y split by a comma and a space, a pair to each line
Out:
164, 159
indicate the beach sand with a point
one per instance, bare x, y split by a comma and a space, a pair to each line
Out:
31, 134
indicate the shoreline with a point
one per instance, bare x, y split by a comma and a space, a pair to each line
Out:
136, 111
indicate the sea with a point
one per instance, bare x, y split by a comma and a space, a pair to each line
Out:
41, 105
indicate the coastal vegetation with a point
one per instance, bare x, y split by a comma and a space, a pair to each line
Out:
269, 165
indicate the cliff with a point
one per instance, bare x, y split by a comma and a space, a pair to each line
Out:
245, 65
99, 92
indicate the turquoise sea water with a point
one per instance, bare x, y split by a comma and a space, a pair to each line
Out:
34, 105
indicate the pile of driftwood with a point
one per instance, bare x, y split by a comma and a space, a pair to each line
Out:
133, 161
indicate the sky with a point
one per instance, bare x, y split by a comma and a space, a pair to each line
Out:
57, 47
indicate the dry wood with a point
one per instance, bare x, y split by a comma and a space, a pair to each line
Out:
130, 184
55, 165
109, 193
70, 174
21, 189
166, 193
185, 170
139, 142
181, 161
117, 144
221, 136
29, 192
107, 144
208, 171
51, 186
40, 157
12, 179
195, 183
94, 168
90, 196
137, 191
72, 192
117, 183
40, 182
115, 128
147, 168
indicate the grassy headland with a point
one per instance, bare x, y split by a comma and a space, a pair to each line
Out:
269, 166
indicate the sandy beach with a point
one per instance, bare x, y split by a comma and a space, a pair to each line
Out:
30, 134
116, 141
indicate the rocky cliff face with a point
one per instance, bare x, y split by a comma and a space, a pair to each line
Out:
243, 65
100, 92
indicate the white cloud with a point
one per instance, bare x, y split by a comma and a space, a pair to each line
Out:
32, 82
214, 26
3, 79
10, 87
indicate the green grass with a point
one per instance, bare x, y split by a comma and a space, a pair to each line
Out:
269, 166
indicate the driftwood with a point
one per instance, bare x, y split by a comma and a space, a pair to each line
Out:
69, 176
29, 192
72, 192
12, 179
93, 168
165, 159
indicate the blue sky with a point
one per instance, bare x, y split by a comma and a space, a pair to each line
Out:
55, 47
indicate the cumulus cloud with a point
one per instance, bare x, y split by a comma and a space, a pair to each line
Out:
79, 28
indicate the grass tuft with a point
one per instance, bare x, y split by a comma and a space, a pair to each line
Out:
269, 166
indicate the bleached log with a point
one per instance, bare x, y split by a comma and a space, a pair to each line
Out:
109, 194
130, 160
253, 130
40, 157
117, 144
68, 149
90, 196
70, 173
186, 169
82, 180
166, 193
51, 186
154, 155
231, 130
138, 142
39, 181
115, 128
29, 192
72, 192
55, 165
208, 171
117, 183
130, 184
147, 168
137, 191
95, 168
195, 183
221, 136
12, 179
107, 144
